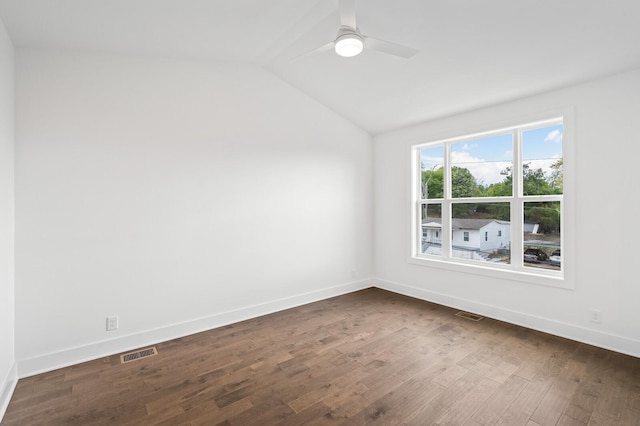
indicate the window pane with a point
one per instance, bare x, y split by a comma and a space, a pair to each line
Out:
431, 230
431, 166
542, 161
542, 235
482, 167
481, 231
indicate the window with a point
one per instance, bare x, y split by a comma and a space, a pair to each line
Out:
506, 183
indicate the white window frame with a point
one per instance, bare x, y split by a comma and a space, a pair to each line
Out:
516, 271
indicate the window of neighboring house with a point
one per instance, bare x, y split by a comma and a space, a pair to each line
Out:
510, 180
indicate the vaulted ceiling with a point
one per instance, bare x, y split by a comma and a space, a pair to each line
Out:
471, 53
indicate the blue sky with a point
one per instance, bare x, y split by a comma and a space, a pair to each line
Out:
486, 157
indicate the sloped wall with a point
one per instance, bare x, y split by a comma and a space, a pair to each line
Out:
177, 195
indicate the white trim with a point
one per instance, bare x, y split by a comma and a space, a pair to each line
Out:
622, 344
52, 361
527, 125
7, 388
96, 350
495, 271
560, 279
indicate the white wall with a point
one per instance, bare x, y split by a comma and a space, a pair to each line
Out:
605, 201
185, 195
7, 349
178, 195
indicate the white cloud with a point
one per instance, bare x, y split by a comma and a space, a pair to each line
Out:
554, 136
469, 146
485, 172
430, 163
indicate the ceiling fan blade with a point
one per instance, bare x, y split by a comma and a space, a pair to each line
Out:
348, 13
322, 48
388, 47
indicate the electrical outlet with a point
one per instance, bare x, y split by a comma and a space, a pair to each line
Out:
112, 323
596, 316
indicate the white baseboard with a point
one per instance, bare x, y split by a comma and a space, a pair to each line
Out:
95, 350
6, 389
612, 342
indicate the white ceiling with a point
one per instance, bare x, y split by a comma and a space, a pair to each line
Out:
473, 53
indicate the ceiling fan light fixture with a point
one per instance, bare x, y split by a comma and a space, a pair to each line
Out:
349, 45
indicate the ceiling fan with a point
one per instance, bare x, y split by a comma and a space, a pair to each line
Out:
351, 42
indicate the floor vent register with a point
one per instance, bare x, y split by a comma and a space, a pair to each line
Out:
139, 354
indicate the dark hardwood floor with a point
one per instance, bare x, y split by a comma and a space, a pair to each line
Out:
370, 357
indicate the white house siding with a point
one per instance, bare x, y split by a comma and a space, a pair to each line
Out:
432, 232
493, 240
458, 238
476, 237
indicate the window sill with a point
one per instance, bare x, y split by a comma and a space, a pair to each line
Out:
549, 279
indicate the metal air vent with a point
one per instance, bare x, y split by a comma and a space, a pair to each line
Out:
469, 316
142, 353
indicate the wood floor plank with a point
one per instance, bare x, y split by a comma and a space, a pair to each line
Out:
559, 394
458, 390
521, 409
630, 417
495, 407
464, 409
566, 420
369, 357
402, 403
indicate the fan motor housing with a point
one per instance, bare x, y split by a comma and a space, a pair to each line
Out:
348, 42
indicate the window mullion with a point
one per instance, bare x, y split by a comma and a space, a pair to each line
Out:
517, 203
446, 205
517, 174
480, 209
416, 182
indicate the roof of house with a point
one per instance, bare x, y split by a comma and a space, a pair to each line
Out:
473, 224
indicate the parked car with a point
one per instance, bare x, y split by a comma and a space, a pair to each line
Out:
555, 258
535, 255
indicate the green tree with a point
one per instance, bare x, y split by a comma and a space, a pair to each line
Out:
556, 178
504, 188
463, 183
500, 211
432, 183
534, 181
545, 214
